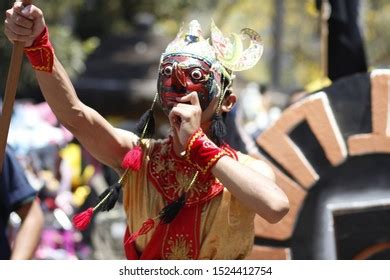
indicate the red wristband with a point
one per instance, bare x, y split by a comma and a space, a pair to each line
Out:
202, 152
41, 52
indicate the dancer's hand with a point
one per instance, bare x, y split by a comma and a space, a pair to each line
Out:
23, 24
185, 117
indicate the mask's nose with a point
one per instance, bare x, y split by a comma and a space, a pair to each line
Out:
178, 78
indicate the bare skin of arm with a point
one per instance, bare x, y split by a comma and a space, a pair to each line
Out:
254, 186
103, 141
99, 137
257, 191
29, 232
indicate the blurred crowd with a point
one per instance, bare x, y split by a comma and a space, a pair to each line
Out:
67, 180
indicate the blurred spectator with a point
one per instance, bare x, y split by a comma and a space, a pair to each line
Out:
257, 109
17, 195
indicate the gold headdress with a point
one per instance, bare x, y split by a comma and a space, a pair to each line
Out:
222, 52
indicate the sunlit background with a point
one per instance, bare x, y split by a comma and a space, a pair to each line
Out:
111, 50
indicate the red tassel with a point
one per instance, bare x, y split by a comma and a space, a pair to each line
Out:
146, 227
82, 220
133, 159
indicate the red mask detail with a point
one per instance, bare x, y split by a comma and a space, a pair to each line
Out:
182, 74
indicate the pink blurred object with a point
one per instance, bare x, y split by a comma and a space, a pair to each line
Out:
47, 114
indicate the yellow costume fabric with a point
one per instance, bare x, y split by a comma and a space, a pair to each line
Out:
226, 229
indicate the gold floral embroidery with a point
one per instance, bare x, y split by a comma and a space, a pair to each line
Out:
179, 249
171, 175
200, 188
183, 181
171, 165
159, 166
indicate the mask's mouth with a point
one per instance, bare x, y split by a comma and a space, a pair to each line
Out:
169, 100
173, 95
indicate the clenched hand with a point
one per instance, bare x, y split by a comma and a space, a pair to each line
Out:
23, 24
185, 117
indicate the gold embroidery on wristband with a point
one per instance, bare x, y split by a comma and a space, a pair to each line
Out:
48, 56
199, 133
195, 136
213, 160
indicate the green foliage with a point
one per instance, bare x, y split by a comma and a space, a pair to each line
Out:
71, 51
100, 17
301, 36
56, 11
377, 32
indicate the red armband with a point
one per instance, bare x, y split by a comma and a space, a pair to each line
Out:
41, 52
202, 152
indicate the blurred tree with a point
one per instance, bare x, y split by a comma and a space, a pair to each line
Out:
100, 17
298, 56
301, 48
71, 51
376, 24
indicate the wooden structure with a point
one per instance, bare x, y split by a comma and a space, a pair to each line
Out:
331, 155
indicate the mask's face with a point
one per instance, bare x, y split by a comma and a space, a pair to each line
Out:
180, 75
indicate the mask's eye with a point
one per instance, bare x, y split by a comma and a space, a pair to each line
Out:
167, 70
196, 74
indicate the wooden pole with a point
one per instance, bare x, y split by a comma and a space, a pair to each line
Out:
324, 16
10, 92
277, 36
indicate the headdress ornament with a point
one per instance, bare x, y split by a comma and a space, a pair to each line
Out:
222, 52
